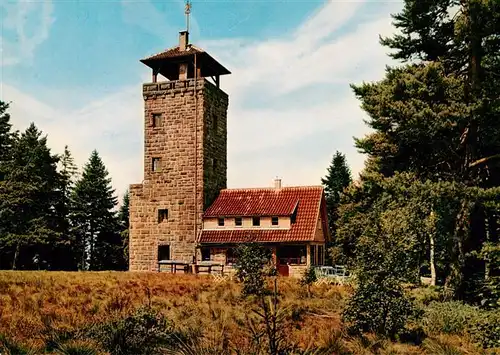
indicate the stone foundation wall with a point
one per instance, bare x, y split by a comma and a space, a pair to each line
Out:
170, 109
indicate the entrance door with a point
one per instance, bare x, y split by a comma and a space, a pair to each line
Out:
283, 269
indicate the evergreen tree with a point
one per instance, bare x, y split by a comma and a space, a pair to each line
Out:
27, 207
6, 141
6, 137
440, 119
123, 217
337, 179
65, 257
94, 220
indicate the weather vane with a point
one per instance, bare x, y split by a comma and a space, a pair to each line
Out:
187, 12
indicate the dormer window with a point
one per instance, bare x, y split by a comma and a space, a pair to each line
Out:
256, 221
274, 221
238, 221
220, 221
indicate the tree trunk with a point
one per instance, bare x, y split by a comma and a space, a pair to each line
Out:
487, 268
454, 281
432, 248
16, 255
432, 260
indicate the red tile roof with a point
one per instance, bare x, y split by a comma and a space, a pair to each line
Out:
175, 52
308, 200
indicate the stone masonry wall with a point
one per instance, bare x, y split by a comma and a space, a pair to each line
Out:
215, 143
171, 106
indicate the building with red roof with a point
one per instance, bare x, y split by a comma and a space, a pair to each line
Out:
182, 215
292, 221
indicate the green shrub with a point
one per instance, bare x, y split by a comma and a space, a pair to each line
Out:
452, 317
308, 278
379, 305
145, 331
458, 318
9, 346
252, 259
486, 330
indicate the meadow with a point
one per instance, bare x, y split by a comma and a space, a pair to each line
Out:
40, 308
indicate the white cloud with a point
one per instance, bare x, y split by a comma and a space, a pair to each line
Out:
112, 126
18, 38
292, 134
287, 69
147, 16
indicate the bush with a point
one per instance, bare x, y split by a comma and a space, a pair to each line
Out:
451, 317
379, 306
486, 331
143, 332
252, 259
458, 318
11, 347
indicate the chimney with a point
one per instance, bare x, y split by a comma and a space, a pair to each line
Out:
183, 40
277, 183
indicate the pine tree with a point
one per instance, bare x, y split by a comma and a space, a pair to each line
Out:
437, 117
64, 252
27, 208
338, 177
94, 220
123, 217
6, 141
6, 137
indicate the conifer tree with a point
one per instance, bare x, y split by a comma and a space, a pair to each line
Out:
64, 252
338, 177
94, 220
6, 137
6, 140
29, 194
123, 217
437, 117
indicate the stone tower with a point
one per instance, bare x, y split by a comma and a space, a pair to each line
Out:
185, 155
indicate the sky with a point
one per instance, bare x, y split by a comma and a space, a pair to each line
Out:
72, 67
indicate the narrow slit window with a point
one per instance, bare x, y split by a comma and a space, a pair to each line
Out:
156, 164
162, 215
215, 124
157, 120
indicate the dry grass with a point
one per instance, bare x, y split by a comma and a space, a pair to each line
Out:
32, 302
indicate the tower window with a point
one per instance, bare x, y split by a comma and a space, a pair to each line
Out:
238, 221
163, 252
156, 164
162, 215
220, 221
256, 221
274, 221
215, 124
157, 119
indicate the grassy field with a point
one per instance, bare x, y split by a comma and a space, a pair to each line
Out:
35, 304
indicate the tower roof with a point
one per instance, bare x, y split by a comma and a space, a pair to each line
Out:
167, 62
